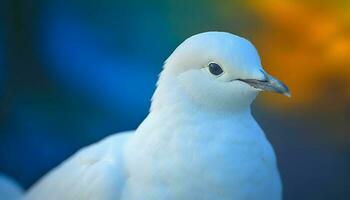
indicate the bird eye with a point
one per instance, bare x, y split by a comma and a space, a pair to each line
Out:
215, 69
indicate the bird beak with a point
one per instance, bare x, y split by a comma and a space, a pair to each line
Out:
269, 83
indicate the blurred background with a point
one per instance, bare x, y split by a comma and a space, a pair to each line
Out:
73, 72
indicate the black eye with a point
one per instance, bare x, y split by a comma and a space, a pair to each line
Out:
215, 69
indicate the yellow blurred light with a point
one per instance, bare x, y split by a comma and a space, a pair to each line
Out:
307, 45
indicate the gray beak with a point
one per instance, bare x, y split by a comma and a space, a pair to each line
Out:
269, 83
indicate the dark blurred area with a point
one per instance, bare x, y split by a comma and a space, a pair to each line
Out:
73, 72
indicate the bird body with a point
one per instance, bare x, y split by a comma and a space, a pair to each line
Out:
199, 140
94, 172
201, 156
232, 162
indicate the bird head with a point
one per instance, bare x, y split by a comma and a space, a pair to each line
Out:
216, 70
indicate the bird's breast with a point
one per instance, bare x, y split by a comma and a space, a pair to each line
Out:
193, 159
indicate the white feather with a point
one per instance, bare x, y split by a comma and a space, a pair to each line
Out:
199, 140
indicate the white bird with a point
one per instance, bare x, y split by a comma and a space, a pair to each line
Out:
199, 141
9, 189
